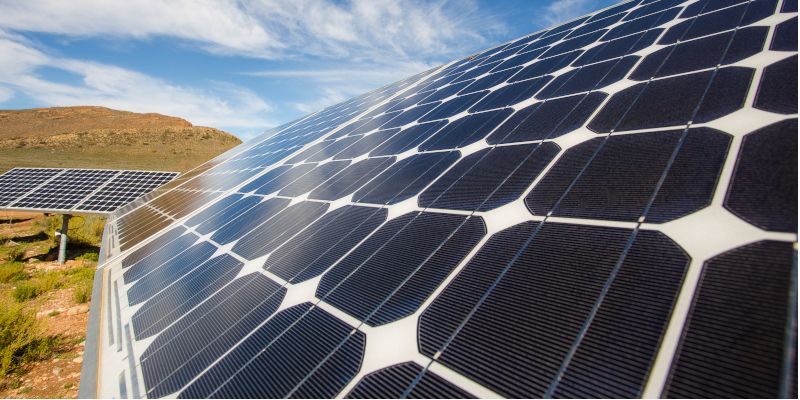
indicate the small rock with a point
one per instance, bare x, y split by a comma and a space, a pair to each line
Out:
79, 309
57, 371
11, 243
77, 360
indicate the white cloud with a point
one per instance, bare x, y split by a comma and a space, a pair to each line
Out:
363, 29
559, 11
221, 105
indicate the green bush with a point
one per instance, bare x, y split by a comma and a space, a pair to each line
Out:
91, 256
18, 330
16, 253
82, 293
26, 291
12, 272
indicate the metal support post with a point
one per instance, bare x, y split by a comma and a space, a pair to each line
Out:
62, 247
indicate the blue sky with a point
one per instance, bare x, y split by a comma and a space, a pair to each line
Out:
243, 65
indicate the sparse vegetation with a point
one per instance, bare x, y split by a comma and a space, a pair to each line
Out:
125, 140
20, 341
37, 298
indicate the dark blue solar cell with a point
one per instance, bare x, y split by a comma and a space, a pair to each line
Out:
474, 73
160, 276
613, 10
641, 24
274, 357
454, 106
221, 218
546, 66
489, 178
568, 25
549, 119
785, 38
282, 180
275, 231
408, 139
410, 115
313, 178
315, 249
526, 39
248, 220
620, 346
543, 277
707, 6
446, 92
595, 25
392, 383
777, 91
733, 342
622, 177
573, 44
359, 127
170, 305
263, 179
406, 178
146, 250
159, 256
692, 179
351, 178
333, 149
789, 6
589, 77
727, 93
490, 80
619, 47
467, 130
309, 151
214, 209
719, 21
505, 53
652, 8
702, 53
544, 41
671, 101
519, 59
763, 189
511, 94
192, 344
389, 275
366, 144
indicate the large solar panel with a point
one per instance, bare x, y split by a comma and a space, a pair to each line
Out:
606, 208
98, 191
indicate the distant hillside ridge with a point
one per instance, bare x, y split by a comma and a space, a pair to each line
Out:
100, 137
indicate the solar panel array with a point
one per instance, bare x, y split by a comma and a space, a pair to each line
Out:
607, 208
76, 190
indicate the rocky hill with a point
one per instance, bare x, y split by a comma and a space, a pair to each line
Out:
99, 137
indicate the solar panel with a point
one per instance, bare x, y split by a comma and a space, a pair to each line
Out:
76, 190
606, 208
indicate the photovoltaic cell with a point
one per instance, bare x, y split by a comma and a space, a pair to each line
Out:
733, 342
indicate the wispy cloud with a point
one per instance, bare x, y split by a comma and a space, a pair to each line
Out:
360, 29
564, 10
219, 104
354, 46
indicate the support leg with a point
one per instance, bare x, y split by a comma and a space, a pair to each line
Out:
62, 247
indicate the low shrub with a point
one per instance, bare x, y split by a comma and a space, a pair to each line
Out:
82, 293
18, 332
12, 272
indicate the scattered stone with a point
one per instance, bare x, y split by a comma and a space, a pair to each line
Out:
11, 243
57, 371
77, 360
79, 309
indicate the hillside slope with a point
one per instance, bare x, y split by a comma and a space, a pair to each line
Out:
98, 137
